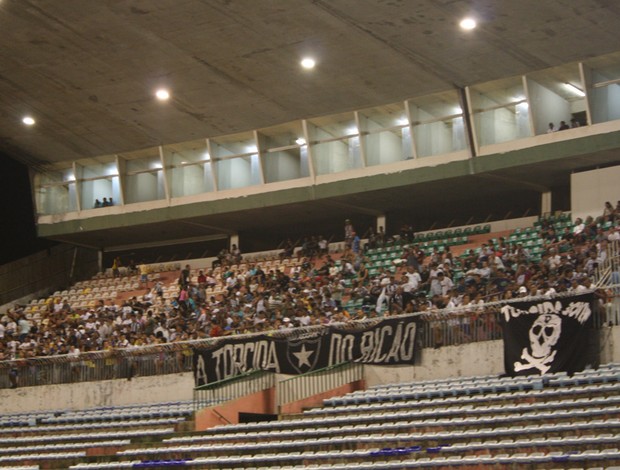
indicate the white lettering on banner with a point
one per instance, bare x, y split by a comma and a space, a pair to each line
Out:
402, 343
340, 349
201, 373
580, 311
232, 359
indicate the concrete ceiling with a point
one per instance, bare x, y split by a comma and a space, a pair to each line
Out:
87, 70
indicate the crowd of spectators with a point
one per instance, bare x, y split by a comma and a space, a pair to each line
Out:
316, 289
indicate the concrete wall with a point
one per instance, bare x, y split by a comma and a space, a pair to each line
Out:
159, 389
590, 190
228, 413
451, 361
485, 358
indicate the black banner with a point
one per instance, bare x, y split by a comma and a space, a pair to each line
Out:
390, 341
547, 336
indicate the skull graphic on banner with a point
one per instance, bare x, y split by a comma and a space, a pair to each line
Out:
544, 335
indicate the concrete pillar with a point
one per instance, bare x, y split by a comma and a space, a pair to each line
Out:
234, 240
545, 203
380, 222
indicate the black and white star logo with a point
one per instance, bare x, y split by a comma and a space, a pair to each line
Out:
303, 357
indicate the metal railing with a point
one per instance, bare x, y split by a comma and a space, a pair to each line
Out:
89, 367
233, 388
437, 329
459, 327
606, 273
319, 381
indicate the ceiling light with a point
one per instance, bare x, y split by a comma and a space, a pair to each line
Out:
308, 63
28, 120
578, 91
353, 130
403, 121
162, 94
467, 24
300, 141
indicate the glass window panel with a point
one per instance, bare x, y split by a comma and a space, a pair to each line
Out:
99, 189
98, 167
501, 113
191, 179
142, 160
236, 144
189, 168
604, 95
282, 136
144, 178
441, 137
331, 127
55, 191
238, 172
556, 95
383, 117
285, 164
388, 146
337, 156
56, 199
142, 187
438, 125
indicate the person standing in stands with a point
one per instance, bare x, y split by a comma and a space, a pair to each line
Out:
563, 126
184, 278
97, 204
116, 265
144, 275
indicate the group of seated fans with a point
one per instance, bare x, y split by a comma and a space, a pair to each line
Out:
237, 296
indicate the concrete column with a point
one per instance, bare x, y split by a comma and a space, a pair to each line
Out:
545, 203
100, 260
234, 240
380, 222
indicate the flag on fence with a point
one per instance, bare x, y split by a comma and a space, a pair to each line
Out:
546, 336
388, 342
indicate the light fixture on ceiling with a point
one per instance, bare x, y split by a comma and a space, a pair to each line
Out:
308, 63
468, 24
402, 121
28, 120
576, 90
162, 94
300, 141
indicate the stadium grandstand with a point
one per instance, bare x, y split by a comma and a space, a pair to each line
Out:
290, 234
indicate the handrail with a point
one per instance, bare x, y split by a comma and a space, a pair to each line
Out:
437, 329
232, 388
318, 381
227, 380
317, 371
